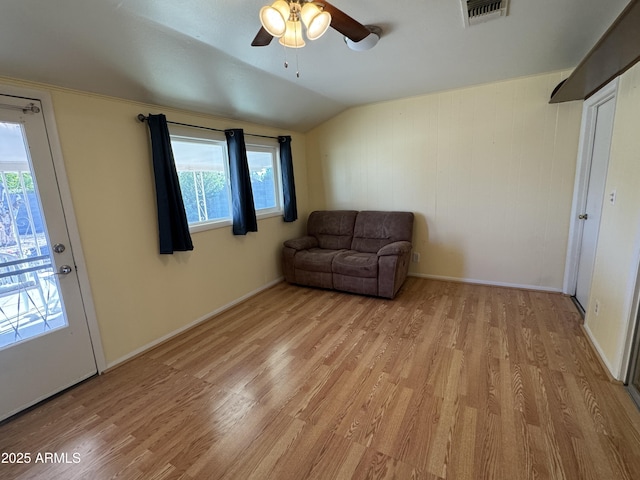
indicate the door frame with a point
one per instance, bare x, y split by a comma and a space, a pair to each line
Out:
65, 194
580, 189
630, 335
632, 341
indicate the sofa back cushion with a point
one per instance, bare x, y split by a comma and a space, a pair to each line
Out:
333, 229
374, 230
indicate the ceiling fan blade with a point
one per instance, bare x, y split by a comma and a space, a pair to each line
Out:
344, 24
263, 38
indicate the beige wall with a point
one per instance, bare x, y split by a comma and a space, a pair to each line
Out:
488, 170
140, 295
616, 265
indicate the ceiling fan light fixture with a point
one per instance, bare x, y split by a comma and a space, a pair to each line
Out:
274, 17
284, 19
316, 20
292, 37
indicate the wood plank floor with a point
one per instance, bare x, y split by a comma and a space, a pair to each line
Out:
449, 381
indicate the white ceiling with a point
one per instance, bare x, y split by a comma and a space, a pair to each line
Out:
196, 54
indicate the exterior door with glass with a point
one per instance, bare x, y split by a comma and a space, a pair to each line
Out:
45, 344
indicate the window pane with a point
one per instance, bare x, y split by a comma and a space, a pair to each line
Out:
262, 180
201, 172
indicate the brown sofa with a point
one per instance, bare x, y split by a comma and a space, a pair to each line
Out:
360, 252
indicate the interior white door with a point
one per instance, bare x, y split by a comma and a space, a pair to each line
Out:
600, 149
45, 345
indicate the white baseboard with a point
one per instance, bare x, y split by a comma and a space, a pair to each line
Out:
487, 282
600, 353
192, 324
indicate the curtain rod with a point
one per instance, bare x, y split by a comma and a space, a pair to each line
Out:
31, 108
143, 118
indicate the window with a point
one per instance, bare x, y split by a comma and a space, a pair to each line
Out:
203, 171
261, 161
203, 179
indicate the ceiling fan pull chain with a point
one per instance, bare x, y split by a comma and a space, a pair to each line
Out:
286, 62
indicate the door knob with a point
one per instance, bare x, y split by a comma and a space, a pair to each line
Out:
583, 216
65, 270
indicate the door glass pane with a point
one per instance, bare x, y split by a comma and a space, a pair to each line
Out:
29, 301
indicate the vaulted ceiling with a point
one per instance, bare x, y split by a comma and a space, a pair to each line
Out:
197, 54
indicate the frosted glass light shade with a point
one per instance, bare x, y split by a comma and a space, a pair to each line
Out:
292, 37
274, 18
316, 21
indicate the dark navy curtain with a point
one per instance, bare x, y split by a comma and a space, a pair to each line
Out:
244, 211
172, 219
288, 183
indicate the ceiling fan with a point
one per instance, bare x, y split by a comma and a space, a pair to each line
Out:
283, 19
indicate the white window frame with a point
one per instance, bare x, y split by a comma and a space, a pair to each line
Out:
268, 145
261, 144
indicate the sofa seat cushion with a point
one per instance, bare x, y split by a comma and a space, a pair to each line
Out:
356, 264
315, 259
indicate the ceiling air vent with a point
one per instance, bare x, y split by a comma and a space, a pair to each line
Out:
479, 11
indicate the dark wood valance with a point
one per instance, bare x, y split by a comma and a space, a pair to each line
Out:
617, 51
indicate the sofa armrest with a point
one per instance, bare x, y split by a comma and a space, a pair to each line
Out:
302, 243
395, 248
